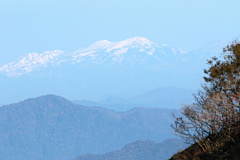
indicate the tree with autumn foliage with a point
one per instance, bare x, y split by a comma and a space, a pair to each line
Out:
217, 106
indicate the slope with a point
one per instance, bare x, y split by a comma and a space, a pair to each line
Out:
51, 127
140, 150
229, 150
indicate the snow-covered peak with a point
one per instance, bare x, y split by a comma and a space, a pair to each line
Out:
130, 50
133, 42
100, 44
30, 62
40, 58
115, 47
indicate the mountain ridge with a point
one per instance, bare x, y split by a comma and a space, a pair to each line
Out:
108, 50
163, 97
51, 127
105, 73
140, 150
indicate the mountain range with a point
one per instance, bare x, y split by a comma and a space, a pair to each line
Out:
105, 69
162, 97
153, 78
141, 150
51, 127
100, 52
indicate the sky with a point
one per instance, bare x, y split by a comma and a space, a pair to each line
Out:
40, 25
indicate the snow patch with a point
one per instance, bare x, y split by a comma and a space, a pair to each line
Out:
121, 51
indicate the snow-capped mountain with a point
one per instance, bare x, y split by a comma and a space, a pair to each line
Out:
124, 50
32, 61
104, 69
133, 50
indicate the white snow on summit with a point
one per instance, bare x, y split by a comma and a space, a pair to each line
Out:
114, 48
130, 50
134, 42
30, 62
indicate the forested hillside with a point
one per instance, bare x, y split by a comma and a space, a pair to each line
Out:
51, 127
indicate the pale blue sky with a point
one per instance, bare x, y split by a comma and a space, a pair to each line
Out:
40, 25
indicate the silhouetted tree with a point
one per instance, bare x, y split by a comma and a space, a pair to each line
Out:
216, 107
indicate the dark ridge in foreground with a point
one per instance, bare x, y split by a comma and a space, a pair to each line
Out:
229, 151
140, 150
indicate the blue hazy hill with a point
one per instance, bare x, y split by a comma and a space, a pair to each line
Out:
51, 127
